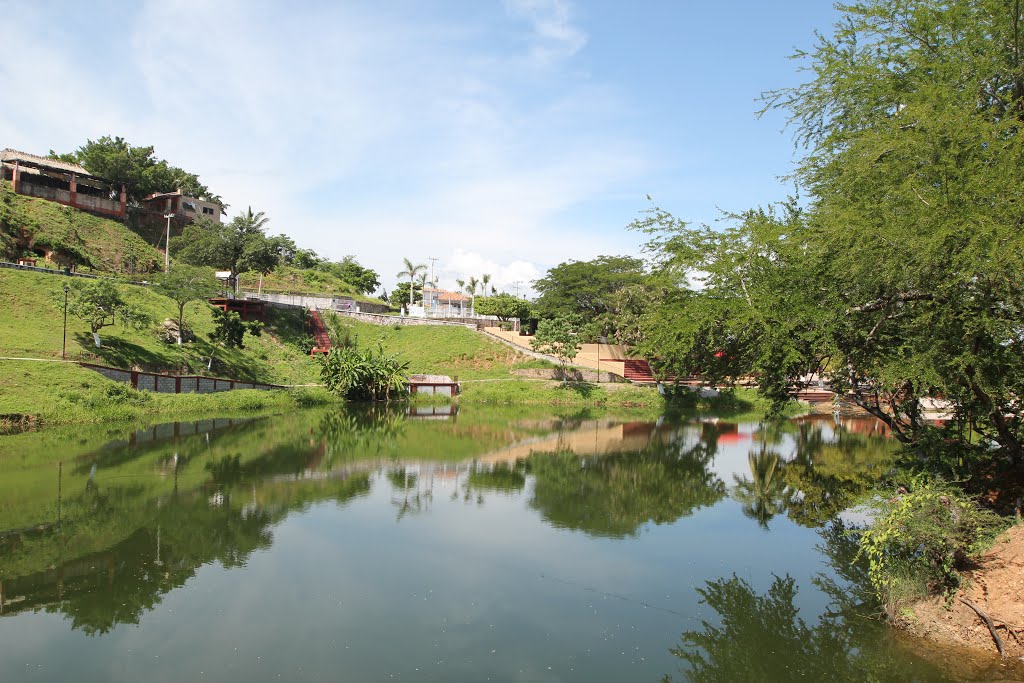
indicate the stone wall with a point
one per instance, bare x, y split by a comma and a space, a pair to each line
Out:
389, 320
570, 374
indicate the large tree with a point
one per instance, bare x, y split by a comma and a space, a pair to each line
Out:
584, 286
184, 285
503, 306
904, 277
238, 246
138, 168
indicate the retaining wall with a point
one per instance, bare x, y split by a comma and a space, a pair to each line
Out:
175, 384
375, 319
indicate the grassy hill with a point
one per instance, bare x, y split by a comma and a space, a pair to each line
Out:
31, 318
28, 223
444, 350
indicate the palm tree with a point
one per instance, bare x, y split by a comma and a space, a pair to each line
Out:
471, 290
484, 281
411, 271
764, 494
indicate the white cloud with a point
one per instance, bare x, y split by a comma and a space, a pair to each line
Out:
554, 35
357, 130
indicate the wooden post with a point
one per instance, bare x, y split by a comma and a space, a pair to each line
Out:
74, 189
16, 177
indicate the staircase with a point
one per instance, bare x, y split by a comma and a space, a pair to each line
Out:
316, 326
638, 371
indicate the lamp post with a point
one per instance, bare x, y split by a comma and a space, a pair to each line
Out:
64, 347
167, 244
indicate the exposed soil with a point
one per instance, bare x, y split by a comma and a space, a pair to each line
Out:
996, 587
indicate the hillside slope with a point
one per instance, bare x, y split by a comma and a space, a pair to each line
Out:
28, 225
435, 349
31, 325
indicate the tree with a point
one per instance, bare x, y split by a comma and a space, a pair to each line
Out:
503, 306
101, 304
138, 168
582, 286
411, 271
365, 280
557, 337
229, 328
400, 295
904, 276
183, 285
237, 246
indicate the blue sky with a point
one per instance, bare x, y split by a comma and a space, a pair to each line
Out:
500, 136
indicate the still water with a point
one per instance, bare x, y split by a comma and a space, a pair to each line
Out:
484, 545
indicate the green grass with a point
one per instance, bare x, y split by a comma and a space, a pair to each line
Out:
440, 349
65, 393
31, 317
103, 243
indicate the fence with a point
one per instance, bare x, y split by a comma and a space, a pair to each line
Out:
175, 384
341, 304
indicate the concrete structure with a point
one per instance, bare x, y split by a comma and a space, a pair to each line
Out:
440, 303
184, 208
438, 385
174, 384
247, 309
338, 304
61, 182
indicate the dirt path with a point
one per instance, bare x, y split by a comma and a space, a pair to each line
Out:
996, 588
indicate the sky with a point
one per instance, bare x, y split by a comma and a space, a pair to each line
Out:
496, 136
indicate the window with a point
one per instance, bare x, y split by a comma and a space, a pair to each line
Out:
208, 211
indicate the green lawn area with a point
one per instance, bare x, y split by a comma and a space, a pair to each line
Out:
31, 320
441, 349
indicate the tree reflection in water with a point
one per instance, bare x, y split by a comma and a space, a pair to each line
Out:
762, 637
614, 496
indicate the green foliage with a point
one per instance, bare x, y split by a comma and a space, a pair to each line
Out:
923, 538
363, 374
138, 168
237, 246
904, 276
229, 328
400, 294
100, 304
365, 280
557, 337
503, 306
583, 286
183, 285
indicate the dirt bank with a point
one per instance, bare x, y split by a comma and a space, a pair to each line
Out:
996, 588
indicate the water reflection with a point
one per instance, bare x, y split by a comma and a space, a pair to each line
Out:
763, 637
104, 536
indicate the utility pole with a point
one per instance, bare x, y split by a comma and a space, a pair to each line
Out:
432, 259
516, 285
64, 348
167, 244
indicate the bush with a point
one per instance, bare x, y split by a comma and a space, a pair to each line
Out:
922, 539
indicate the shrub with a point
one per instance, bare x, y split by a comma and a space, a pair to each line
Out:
921, 540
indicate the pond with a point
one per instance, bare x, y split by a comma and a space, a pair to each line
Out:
440, 546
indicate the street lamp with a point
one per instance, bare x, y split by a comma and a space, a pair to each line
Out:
64, 348
167, 244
